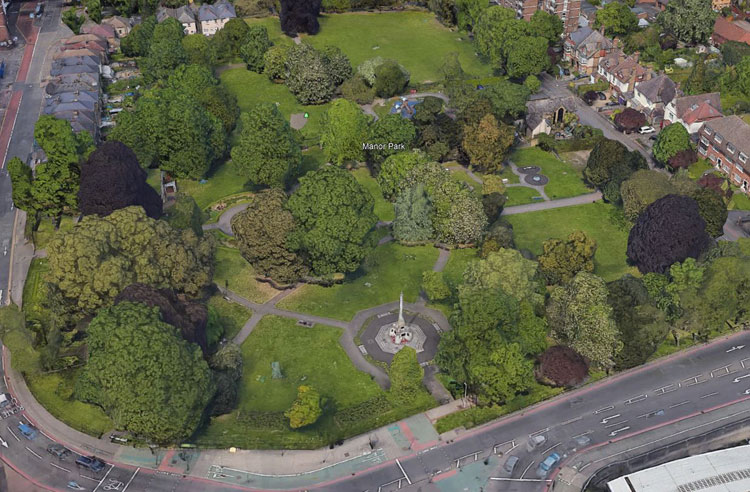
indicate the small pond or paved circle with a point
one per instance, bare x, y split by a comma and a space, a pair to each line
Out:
536, 179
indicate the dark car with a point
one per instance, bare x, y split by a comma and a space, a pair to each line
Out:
90, 463
58, 450
602, 96
612, 104
566, 71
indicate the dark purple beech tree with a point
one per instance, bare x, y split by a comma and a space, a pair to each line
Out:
300, 16
562, 366
111, 179
670, 230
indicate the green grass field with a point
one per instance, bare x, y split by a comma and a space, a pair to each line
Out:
454, 270
235, 273
696, 170
390, 269
383, 208
531, 229
46, 231
311, 356
233, 316
739, 201
35, 290
221, 182
564, 180
520, 195
415, 39
462, 176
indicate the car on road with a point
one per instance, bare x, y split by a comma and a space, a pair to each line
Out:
535, 441
510, 464
653, 138
90, 463
646, 129
548, 464
58, 450
602, 96
28, 431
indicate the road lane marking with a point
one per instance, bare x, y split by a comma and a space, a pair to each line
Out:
32, 452
584, 434
739, 378
512, 447
742, 362
475, 454
663, 389
527, 469
399, 466
111, 467
90, 478
615, 424
635, 399
550, 448
694, 380
736, 347
679, 404
540, 431
606, 419
615, 432
13, 434
725, 370
709, 395
604, 409
571, 421
60, 467
651, 414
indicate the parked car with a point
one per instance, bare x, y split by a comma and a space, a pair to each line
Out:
28, 431
548, 464
602, 96
581, 76
58, 450
646, 129
535, 441
612, 103
90, 463
510, 464
653, 138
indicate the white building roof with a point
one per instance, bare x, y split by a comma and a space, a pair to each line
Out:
727, 470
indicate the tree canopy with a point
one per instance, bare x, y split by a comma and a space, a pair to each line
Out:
672, 139
561, 260
562, 366
487, 143
643, 188
406, 375
306, 408
165, 51
344, 130
307, 75
389, 135
300, 16
413, 216
395, 168
713, 209
254, 47
148, 380
692, 21
609, 164
617, 19
508, 270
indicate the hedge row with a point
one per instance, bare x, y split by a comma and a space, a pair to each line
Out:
362, 411
264, 420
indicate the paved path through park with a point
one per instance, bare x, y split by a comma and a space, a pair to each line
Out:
224, 224
562, 202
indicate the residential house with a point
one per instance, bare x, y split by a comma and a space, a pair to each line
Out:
103, 31
70, 58
587, 14
726, 143
651, 96
658, 4
622, 72
72, 83
213, 17
645, 13
184, 16
726, 30
584, 47
71, 50
59, 68
543, 113
120, 24
693, 111
81, 120
567, 10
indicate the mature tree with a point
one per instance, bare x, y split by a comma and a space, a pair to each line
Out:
581, 319
630, 120
299, 16
253, 49
562, 366
138, 41
682, 160
562, 260
467, 13
266, 150
487, 143
355, 89
434, 285
395, 168
672, 139
389, 135
426, 111
527, 55
732, 52
458, 215
390, 79
198, 82
716, 183
509, 271
306, 409
669, 230
444, 10
262, 231
413, 216
307, 75
22, 179
189, 316
112, 179
406, 376
712, 208
148, 380
335, 216
508, 100
94, 10
616, 18
344, 131
228, 40
640, 323
338, 64
441, 139
532, 83
642, 189
692, 21
493, 204
743, 76
546, 25
74, 21
494, 28
198, 49
165, 51
499, 235
367, 69
91, 264
274, 62
185, 214
609, 164
226, 364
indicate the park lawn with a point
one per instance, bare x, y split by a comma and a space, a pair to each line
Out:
253, 88
531, 229
564, 180
235, 273
273, 26
221, 182
457, 263
46, 230
461, 176
696, 170
35, 290
54, 391
232, 315
520, 195
414, 39
383, 208
390, 269
739, 201
507, 173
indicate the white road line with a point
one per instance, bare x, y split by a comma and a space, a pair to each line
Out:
615, 432
399, 466
727, 374
550, 448
740, 378
60, 467
571, 421
663, 389
742, 362
584, 434
32, 452
90, 478
709, 395
540, 431
607, 419
724, 369
635, 399
615, 424
679, 404
131, 479
694, 380
13, 434
527, 469
111, 467
512, 446
604, 409
651, 414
